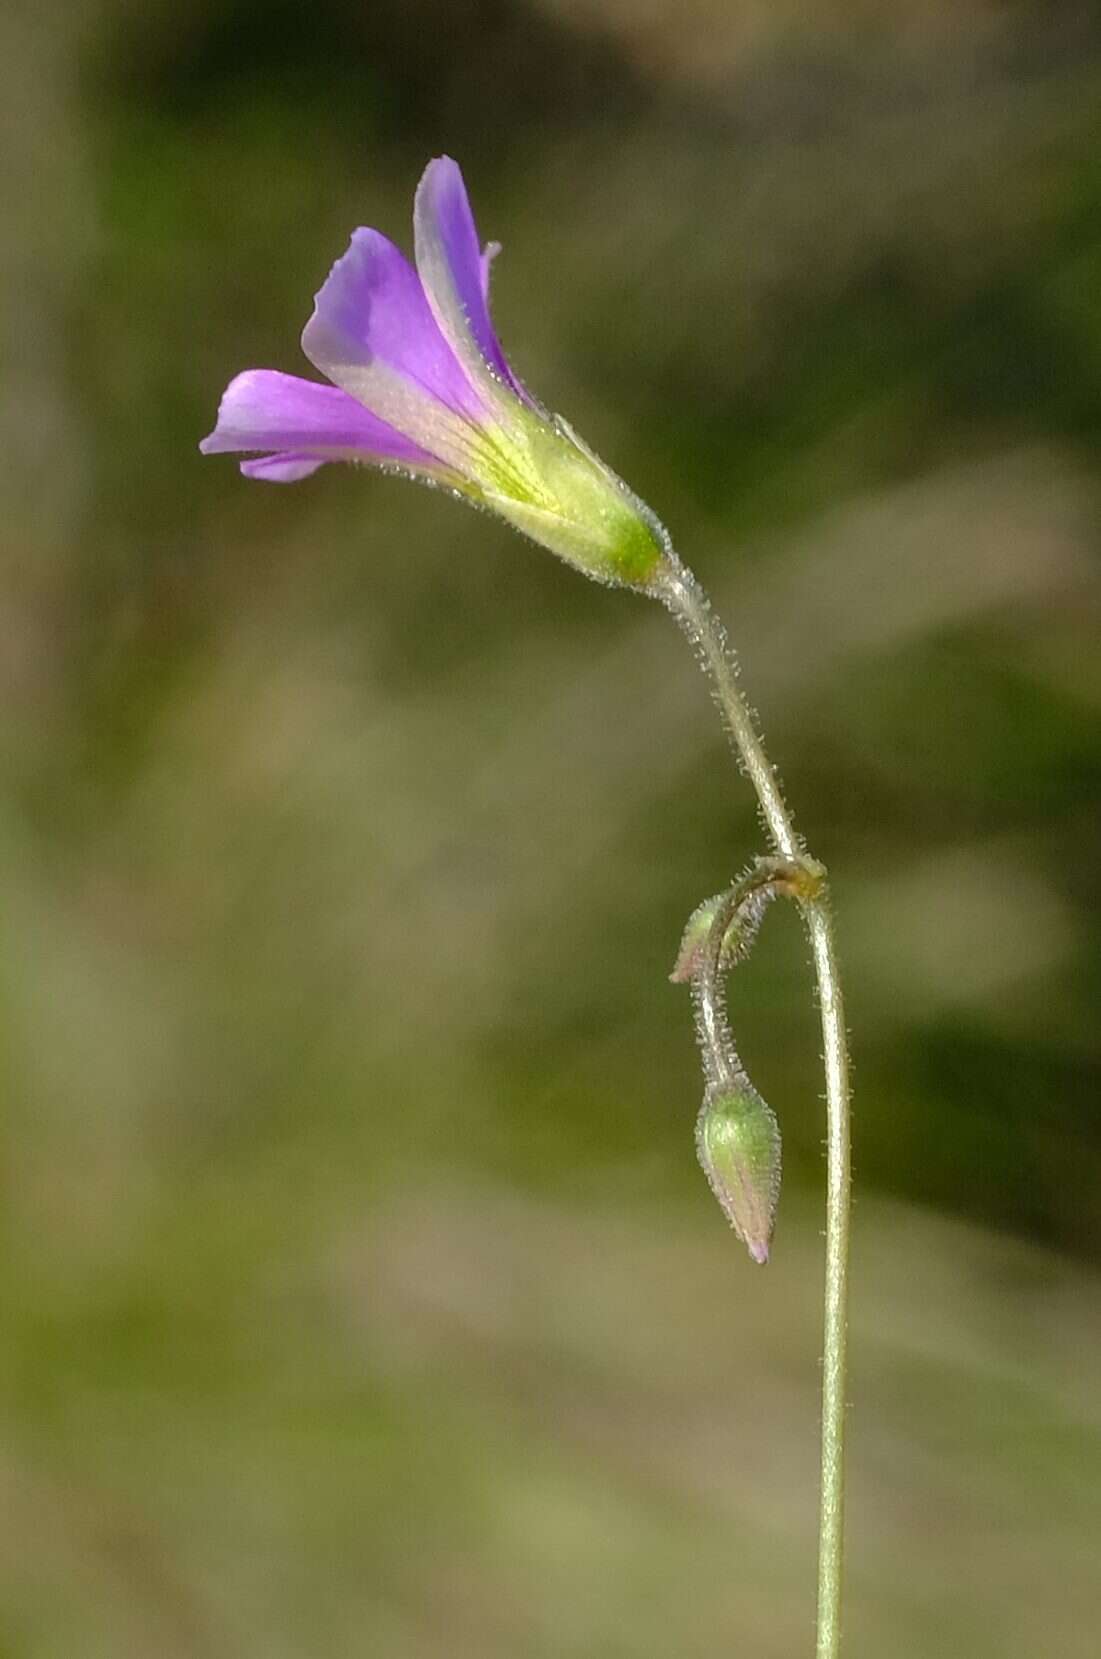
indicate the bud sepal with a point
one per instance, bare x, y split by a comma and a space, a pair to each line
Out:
738, 1143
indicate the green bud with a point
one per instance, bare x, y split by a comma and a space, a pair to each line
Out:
738, 1142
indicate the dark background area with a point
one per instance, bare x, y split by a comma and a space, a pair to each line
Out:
361, 1294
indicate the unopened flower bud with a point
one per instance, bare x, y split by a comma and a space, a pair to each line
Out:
738, 1141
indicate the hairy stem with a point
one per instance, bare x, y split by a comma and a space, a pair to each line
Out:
684, 597
768, 875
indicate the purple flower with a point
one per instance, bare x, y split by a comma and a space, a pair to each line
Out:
421, 386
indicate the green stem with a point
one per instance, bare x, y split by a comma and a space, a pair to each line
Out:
778, 875
684, 597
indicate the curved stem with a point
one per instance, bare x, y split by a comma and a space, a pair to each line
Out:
684, 597
721, 1064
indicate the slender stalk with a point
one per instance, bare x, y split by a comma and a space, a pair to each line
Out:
720, 1060
684, 597
831, 1515
721, 1066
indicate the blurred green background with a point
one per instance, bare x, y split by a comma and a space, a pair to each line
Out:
361, 1295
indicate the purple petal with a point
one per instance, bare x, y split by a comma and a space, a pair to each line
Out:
455, 271
306, 424
281, 469
373, 333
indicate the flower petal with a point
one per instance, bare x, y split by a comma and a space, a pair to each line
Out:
281, 469
304, 422
374, 334
455, 271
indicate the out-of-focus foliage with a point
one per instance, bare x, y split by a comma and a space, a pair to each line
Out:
360, 1291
